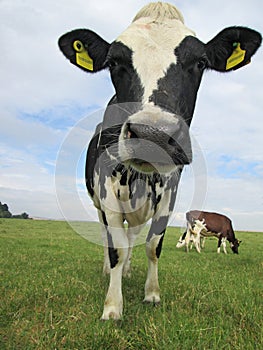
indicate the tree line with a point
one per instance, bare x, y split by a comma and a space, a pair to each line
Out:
5, 213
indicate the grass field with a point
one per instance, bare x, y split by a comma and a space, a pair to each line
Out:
52, 294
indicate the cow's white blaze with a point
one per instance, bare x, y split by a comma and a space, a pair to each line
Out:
158, 36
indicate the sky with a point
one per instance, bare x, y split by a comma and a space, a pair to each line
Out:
49, 110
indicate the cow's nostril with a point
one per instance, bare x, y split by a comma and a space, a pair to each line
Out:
130, 133
172, 141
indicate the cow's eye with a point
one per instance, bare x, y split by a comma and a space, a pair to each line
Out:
112, 63
202, 64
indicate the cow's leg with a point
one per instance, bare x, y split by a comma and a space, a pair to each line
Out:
153, 250
117, 251
196, 241
154, 240
132, 233
187, 239
106, 264
152, 289
219, 244
202, 242
224, 244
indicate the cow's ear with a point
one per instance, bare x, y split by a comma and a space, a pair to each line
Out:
85, 49
232, 48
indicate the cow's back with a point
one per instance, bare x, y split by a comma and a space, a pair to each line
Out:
214, 222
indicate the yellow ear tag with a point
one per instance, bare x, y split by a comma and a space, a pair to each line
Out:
237, 57
82, 57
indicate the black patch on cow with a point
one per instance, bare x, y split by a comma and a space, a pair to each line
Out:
104, 219
177, 90
172, 185
123, 180
92, 155
159, 247
113, 253
158, 227
137, 186
124, 77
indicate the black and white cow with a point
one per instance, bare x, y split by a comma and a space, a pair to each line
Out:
204, 224
137, 154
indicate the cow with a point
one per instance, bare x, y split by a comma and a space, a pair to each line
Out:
137, 154
190, 239
204, 224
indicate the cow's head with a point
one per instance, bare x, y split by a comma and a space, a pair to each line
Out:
157, 63
235, 245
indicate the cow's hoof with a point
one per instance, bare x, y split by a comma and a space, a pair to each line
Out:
111, 316
152, 299
111, 313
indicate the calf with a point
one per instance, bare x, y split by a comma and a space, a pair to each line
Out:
135, 159
204, 224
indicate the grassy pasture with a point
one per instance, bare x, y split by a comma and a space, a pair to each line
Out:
52, 294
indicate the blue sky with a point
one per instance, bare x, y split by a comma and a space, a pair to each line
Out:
49, 110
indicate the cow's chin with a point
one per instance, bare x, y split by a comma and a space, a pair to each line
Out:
149, 168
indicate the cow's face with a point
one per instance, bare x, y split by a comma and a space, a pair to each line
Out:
157, 64
235, 245
163, 78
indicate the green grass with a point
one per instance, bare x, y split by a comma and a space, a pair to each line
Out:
52, 294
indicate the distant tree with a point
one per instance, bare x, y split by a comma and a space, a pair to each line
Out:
25, 216
4, 211
21, 216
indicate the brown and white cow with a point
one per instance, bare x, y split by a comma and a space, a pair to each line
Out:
138, 152
202, 224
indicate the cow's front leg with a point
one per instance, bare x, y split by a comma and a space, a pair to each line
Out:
117, 251
132, 233
219, 244
152, 289
153, 250
187, 240
224, 245
196, 240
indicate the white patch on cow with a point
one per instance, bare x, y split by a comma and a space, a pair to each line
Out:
223, 243
154, 34
113, 305
199, 226
151, 115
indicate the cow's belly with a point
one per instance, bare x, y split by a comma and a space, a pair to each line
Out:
138, 214
207, 233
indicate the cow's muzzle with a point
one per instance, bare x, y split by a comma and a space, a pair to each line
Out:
156, 146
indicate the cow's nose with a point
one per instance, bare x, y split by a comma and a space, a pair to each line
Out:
174, 139
161, 134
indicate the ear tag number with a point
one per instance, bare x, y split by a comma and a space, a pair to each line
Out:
238, 56
82, 57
